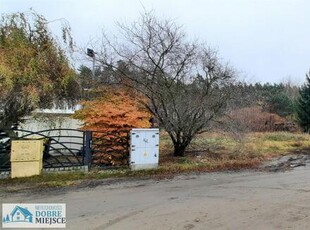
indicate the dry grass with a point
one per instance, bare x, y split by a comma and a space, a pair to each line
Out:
208, 152
221, 151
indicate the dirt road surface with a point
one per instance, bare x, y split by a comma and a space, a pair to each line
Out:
243, 200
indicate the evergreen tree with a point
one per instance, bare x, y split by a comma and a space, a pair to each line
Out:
304, 105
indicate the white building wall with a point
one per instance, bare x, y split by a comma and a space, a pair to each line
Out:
48, 121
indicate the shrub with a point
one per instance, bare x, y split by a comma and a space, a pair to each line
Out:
256, 120
111, 117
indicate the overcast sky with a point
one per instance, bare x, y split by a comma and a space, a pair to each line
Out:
266, 40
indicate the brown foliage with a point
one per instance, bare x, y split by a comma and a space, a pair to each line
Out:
111, 117
254, 119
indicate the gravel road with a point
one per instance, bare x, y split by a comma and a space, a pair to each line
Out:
236, 200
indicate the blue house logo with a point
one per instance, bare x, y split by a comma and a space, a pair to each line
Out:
18, 214
28, 215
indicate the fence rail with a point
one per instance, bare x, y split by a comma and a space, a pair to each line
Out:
110, 149
71, 147
62, 147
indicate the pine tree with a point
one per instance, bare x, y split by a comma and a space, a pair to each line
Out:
304, 105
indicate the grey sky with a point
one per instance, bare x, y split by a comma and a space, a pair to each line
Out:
266, 40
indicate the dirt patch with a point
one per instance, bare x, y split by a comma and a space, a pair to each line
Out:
295, 159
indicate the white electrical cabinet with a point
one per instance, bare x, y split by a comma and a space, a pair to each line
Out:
144, 148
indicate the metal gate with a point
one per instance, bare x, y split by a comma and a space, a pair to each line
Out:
71, 147
62, 147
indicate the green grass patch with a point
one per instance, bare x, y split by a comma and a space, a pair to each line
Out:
285, 137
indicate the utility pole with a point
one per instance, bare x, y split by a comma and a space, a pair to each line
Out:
91, 53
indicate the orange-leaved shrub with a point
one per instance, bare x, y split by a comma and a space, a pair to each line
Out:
111, 117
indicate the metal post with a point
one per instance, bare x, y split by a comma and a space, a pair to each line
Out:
91, 53
94, 60
87, 148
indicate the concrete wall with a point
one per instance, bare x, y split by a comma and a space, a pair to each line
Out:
50, 121
55, 121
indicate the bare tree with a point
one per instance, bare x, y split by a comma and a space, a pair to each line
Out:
186, 85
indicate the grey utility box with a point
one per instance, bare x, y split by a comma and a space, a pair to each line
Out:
144, 148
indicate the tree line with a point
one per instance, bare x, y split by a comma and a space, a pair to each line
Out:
182, 83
